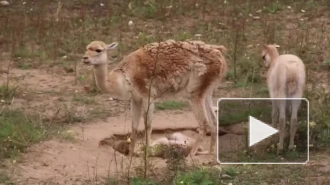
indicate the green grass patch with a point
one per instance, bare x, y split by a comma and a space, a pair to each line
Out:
171, 105
4, 179
233, 111
236, 174
300, 155
18, 131
25, 52
7, 92
198, 176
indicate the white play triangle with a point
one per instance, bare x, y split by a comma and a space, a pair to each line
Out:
259, 131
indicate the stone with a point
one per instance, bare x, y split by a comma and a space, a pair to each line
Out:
4, 3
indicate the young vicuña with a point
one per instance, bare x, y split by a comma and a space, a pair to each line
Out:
176, 139
285, 79
158, 148
160, 70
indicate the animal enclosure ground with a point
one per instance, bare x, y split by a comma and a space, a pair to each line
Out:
44, 86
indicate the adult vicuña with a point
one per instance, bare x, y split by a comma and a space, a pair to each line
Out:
285, 79
162, 70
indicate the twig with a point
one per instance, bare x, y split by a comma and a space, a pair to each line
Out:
95, 168
12, 101
146, 114
54, 117
7, 75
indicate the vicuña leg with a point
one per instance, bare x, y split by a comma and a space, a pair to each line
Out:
274, 113
212, 122
281, 107
198, 109
148, 116
136, 108
293, 123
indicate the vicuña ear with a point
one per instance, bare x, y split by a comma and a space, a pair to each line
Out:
112, 45
265, 46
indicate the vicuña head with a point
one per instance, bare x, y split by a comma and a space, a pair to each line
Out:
269, 53
96, 52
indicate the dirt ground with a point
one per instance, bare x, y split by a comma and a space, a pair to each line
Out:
80, 159
75, 161
70, 162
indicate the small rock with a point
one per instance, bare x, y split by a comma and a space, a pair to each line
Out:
225, 176
130, 23
4, 3
2, 101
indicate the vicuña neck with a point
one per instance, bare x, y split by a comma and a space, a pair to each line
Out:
273, 55
112, 83
101, 77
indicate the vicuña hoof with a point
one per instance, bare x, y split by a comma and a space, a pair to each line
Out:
292, 147
279, 151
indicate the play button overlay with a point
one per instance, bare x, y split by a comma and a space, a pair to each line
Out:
259, 131
250, 138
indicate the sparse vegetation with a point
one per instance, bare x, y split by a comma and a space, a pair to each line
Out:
7, 92
241, 174
19, 131
45, 85
171, 105
4, 179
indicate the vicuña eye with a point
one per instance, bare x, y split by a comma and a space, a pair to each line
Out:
98, 50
